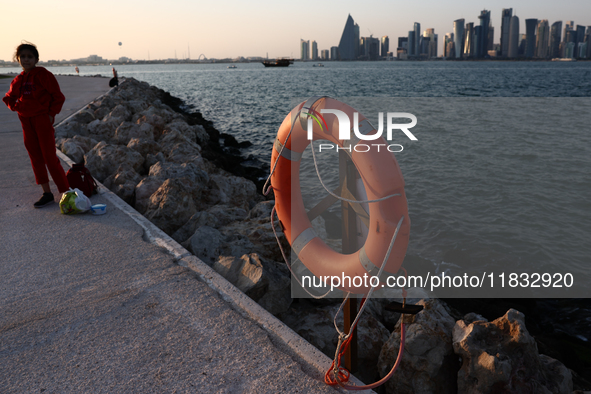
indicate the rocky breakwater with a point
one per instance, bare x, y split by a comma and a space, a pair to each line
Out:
170, 166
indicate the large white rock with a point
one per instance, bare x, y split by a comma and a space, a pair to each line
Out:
127, 130
246, 273
171, 205
104, 159
502, 357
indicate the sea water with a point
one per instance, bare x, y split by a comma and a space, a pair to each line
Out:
499, 175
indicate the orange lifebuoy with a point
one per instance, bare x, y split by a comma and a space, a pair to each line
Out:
381, 177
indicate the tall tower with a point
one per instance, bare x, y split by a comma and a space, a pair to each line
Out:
417, 49
411, 43
357, 37
447, 48
542, 39
304, 50
347, 43
555, 33
459, 37
469, 40
505, 28
513, 37
530, 37
431, 47
569, 25
484, 33
580, 39
314, 50
384, 46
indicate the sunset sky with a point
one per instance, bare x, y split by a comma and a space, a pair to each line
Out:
229, 28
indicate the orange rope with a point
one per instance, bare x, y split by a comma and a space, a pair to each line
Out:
343, 375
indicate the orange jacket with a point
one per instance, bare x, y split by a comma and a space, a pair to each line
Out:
35, 93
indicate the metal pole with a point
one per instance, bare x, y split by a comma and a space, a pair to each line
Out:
347, 175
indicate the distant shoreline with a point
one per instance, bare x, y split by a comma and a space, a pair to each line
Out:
226, 61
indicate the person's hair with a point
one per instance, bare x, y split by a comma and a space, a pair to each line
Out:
26, 46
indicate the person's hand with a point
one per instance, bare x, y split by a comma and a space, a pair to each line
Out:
51, 119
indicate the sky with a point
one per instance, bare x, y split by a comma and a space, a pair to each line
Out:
148, 29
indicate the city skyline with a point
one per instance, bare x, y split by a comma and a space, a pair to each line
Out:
70, 30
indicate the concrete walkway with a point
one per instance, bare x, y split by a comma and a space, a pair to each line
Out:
109, 304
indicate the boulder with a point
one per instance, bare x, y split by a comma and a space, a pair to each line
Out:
144, 190
225, 188
429, 364
216, 217
205, 243
71, 129
246, 273
152, 159
136, 105
120, 112
84, 117
102, 130
101, 112
144, 147
197, 178
104, 159
127, 130
171, 205
72, 150
501, 356
123, 182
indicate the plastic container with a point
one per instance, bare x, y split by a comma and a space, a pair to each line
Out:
99, 209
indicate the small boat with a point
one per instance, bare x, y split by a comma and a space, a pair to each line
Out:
277, 62
318, 65
232, 66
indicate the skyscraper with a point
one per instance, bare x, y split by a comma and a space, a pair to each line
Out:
483, 34
356, 30
513, 37
449, 38
491, 38
417, 50
569, 25
459, 37
469, 40
325, 54
304, 50
334, 53
580, 39
403, 43
530, 37
384, 46
314, 50
347, 43
430, 43
411, 43
555, 33
542, 37
505, 30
